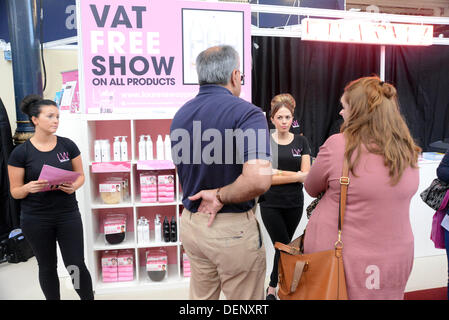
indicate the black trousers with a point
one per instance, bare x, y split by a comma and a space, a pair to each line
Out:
42, 232
281, 224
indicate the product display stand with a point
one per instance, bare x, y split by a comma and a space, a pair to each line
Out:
93, 208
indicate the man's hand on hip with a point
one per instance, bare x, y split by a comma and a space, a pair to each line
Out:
209, 203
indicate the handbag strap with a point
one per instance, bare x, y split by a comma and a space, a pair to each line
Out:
344, 183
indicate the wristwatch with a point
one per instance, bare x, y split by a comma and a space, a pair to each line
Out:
217, 195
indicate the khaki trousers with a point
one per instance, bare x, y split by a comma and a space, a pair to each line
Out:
228, 256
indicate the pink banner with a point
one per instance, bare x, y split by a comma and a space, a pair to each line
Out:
141, 54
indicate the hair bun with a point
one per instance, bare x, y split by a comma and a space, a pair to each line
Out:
28, 102
388, 90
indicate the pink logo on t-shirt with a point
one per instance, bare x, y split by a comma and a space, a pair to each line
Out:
295, 124
63, 156
296, 152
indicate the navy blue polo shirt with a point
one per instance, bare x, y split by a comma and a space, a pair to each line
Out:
212, 135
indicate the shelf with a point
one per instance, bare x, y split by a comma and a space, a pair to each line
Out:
104, 287
153, 244
156, 204
129, 243
98, 205
172, 278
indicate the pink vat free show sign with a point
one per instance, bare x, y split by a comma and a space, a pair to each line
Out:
141, 54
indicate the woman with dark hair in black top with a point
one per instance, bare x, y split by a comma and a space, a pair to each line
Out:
50, 216
282, 205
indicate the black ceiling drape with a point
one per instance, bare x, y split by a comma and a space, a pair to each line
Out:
314, 73
421, 76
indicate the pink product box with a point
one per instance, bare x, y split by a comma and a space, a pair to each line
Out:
125, 269
125, 258
122, 279
148, 188
109, 269
166, 188
109, 259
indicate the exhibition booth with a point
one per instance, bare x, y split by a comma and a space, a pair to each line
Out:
137, 68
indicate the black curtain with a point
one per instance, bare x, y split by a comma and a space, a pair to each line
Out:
421, 76
9, 208
314, 73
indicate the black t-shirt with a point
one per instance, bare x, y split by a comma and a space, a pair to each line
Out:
28, 157
286, 157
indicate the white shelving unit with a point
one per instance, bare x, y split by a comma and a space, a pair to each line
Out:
106, 127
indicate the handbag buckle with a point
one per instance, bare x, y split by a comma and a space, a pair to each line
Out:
344, 180
339, 243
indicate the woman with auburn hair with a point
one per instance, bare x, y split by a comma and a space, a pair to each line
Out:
286, 98
377, 237
282, 205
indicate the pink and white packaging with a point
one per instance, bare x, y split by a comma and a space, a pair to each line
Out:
148, 187
166, 188
114, 223
125, 261
157, 260
109, 266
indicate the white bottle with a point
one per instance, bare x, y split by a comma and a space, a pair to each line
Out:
160, 148
139, 231
157, 229
167, 147
97, 150
146, 231
105, 151
142, 155
116, 148
124, 149
149, 148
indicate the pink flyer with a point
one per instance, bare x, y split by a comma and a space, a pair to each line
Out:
56, 176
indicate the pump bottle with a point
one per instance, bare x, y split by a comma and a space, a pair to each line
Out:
160, 148
167, 147
149, 147
116, 147
166, 227
142, 155
173, 230
124, 149
97, 150
157, 229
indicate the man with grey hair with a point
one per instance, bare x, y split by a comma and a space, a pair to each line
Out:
219, 231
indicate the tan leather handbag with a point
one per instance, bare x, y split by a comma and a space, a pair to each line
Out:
318, 275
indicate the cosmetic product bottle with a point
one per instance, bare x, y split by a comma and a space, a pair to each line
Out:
157, 229
142, 153
105, 151
146, 231
124, 149
173, 230
149, 148
166, 227
140, 230
116, 148
159, 148
97, 150
167, 147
